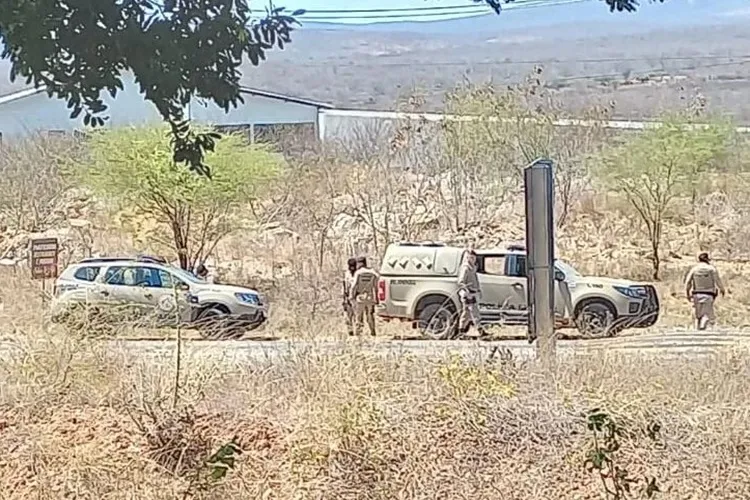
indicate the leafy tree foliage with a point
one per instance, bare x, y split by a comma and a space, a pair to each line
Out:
176, 49
657, 166
165, 205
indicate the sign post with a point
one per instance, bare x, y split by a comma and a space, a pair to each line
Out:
540, 245
43, 260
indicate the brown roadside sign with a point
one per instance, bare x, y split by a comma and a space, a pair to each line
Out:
43, 257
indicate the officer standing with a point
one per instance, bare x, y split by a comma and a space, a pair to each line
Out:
469, 293
364, 296
348, 281
702, 284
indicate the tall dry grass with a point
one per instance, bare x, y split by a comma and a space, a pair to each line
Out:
82, 420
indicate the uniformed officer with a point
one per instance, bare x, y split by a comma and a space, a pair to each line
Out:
702, 284
348, 281
469, 293
202, 272
364, 296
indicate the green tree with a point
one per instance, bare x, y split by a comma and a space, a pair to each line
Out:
661, 164
134, 168
176, 49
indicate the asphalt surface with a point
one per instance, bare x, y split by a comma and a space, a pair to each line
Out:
673, 343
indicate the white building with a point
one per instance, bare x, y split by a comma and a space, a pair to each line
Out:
32, 110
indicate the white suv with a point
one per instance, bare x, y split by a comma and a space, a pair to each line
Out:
148, 286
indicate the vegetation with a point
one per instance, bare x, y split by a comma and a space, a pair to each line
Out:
516, 126
87, 419
133, 167
661, 164
348, 425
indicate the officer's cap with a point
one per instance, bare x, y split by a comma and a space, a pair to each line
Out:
361, 259
703, 257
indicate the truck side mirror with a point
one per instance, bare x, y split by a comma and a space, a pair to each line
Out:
559, 275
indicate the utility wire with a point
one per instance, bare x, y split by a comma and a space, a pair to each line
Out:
305, 17
427, 11
401, 9
534, 61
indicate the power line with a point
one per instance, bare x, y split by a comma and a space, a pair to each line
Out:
532, 61
429, 11
402, 9
305, 17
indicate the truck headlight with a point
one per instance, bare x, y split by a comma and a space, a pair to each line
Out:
248, 298
634, 292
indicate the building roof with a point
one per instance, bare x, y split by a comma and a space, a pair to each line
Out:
20, 94
282, 97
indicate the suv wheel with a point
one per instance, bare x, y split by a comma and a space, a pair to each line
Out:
596, 319
213, 323
437, 321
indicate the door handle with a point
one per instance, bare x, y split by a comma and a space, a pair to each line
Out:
148, 295
517, 285
104, 292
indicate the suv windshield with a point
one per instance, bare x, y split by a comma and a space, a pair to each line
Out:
567, 269
186, 275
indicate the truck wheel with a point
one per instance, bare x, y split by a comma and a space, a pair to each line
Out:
437, 321
596, 319
213, 323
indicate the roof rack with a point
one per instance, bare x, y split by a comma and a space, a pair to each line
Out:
89, 260
421, 243
138, 258
517, 248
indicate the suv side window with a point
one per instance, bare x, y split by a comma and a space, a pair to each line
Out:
516, 266
133, 276
168, 280
120, 276
493, 264
87, 273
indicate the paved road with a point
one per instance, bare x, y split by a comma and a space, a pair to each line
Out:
673, 343
668, 344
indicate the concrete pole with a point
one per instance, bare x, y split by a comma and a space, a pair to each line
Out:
540, 248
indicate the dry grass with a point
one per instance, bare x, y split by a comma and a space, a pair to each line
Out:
77, 421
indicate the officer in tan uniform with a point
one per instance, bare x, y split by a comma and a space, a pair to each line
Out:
348, 281
364, 296
469, 293
702, 284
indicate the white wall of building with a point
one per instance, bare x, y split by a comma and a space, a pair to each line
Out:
349, 124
